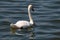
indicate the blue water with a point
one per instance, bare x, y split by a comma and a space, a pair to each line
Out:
46, 17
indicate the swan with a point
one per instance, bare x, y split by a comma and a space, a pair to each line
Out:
22, 23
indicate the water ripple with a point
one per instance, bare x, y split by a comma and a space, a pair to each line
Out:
46, 17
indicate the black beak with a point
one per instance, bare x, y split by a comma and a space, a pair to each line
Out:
32, 9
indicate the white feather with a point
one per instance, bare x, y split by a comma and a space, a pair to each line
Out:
23, 24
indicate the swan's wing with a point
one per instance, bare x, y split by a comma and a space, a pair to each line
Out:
22, 24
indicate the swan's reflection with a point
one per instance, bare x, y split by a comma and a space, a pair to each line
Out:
27, 33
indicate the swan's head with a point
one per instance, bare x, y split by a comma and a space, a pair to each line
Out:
30, 7
13, 28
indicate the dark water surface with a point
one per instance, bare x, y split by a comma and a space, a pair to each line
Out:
46, 16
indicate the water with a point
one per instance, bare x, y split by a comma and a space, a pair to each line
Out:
46, 16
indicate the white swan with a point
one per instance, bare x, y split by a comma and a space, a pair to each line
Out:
23, 24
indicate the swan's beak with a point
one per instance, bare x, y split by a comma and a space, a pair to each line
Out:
32, 9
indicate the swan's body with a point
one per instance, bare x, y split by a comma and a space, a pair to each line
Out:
23, 24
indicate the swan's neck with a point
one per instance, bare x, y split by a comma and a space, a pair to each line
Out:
30, 17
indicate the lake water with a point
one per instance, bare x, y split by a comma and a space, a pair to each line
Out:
46, 17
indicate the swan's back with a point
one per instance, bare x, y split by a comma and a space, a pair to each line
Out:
22, 24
